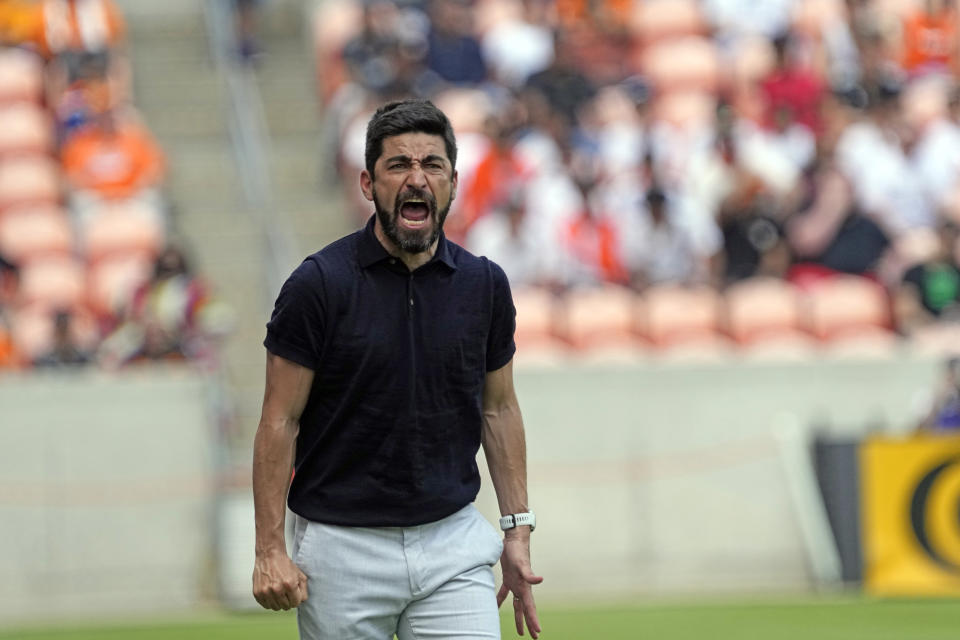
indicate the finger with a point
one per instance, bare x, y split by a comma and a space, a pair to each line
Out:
285, 597
302, 592
502, 595
518, 614
531, 617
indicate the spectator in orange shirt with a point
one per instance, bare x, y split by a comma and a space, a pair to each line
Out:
114, 158
930, 38
85, 43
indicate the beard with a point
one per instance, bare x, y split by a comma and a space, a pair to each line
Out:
411, 240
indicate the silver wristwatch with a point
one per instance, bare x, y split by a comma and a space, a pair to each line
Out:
519, 520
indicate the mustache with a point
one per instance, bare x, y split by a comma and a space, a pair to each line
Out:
414, 193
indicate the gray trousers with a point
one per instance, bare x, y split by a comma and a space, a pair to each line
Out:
430, 581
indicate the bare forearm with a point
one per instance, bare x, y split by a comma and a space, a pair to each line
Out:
504, 446
273, 452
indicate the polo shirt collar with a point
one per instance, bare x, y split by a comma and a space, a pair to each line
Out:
370, 251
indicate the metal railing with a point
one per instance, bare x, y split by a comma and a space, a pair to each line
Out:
251, 145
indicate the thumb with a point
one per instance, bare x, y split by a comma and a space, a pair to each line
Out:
530, 578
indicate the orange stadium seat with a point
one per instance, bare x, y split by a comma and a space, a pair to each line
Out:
53, 282
21, 76
844, 305
690, 63
35, 232
670, 314
113, 281
654, 20
122, 230
29, 180
600, 317
26, 129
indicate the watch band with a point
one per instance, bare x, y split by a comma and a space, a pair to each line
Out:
518, 520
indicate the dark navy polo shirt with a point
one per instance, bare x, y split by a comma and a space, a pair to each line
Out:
391, 429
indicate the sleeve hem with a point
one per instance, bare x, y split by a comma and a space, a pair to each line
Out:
501, 359
278, 348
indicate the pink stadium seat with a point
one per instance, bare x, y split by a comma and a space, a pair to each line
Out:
812, 17
122, 230
53, 283
33, 330
21, 76
33, 233
113, 280
759, 308
864, 343
689, 63
536, 332
686, 110
670, 315
842, 305
600, 317
26, 129
654, 20
940, 339
29, 180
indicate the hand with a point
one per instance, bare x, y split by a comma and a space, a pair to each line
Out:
518, 578
278, 583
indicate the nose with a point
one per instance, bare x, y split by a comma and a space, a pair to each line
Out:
417, 178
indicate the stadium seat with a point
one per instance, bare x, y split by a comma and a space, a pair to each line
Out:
332, 26
54, 282
864, 343
113, 280
844, 304
122, 230
600, 317
686, 110
21, 76
668, 315
759, 308
29, 180
33, 233
32, 330
793, 346
811, 18
940, 339
536, 333
655, 20
27, 129
688, 63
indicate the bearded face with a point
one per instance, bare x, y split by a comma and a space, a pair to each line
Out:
414, 222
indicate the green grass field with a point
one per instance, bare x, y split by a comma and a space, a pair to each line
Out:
822, 619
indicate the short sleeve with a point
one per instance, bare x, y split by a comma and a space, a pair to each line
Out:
503, 321
296, 328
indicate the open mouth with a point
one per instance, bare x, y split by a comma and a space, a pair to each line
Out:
414, 213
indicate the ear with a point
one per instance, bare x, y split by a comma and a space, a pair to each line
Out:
453, 185
366, 185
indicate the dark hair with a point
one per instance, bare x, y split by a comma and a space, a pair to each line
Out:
408, 116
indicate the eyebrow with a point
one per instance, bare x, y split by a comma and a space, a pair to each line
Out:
404, 158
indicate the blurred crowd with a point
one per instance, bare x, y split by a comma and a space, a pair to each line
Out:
643, 143
90, 271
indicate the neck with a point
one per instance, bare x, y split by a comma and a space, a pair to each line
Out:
411, 260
